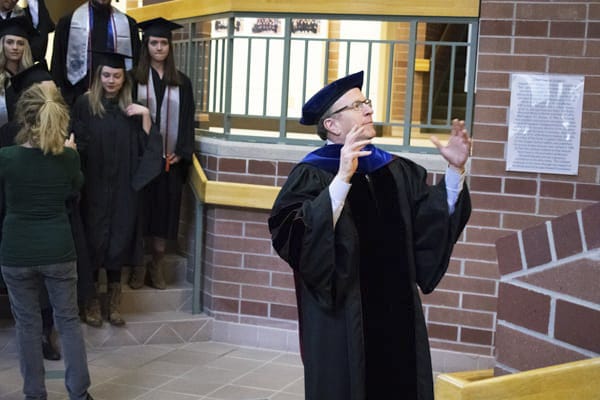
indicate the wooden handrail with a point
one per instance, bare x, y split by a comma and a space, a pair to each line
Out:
575, 380
231, 193
180, 9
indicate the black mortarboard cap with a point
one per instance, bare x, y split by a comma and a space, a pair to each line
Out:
317, 105
18, 26
159, 27
38, 72
108, 59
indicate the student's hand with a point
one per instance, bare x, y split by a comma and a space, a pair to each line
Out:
70, 142
136, 109
351, 151
458, 148
173, 158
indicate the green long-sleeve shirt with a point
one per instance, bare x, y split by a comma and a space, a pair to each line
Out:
36, 228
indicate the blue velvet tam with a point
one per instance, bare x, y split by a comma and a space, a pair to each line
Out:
316, 106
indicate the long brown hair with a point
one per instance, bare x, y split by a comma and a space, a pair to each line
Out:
142, 70
96, 93
44, 118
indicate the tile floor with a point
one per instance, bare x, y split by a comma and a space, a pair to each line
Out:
191, 371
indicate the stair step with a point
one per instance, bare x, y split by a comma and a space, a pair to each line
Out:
173, 298
140, 328
175, 269
152, 316
151, 328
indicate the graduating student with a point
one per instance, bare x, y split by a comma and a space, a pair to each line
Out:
120, 153
168, 94
93, 25
362, 230
37, 13
36, 73
15, 56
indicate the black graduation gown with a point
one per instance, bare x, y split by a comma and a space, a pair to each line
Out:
39, 41
117, 159
162, 197
99, 38
362, 329
10, 97
8, 132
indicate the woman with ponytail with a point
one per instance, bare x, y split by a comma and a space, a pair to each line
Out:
37, 245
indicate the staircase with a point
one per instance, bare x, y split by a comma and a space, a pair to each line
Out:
441, 90
153, 316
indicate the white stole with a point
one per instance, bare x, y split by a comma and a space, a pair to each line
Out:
169, 112
79, 41
3, 106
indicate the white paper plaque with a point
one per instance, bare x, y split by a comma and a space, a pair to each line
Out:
544, 128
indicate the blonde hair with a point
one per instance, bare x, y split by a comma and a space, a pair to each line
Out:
96, 93
44, 118
26, 62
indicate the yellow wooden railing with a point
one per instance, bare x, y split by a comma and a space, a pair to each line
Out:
180, 9
231, 193
579, 380
222, 194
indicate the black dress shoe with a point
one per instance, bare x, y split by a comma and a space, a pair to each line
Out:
50, 353
89, 397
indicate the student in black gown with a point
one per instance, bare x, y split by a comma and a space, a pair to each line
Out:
362, 230
37, 13
168, 94
15, 56
95, 25
120, 153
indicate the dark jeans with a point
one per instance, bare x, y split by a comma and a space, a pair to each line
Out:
23, 285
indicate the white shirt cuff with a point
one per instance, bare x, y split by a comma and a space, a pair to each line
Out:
454, 184
338, 191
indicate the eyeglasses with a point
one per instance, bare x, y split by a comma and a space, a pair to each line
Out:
356, 106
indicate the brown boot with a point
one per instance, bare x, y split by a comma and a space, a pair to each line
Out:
137, 277
157, 277
93, 314
114, 299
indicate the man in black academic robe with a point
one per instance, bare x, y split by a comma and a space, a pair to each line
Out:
362, 230
101, 37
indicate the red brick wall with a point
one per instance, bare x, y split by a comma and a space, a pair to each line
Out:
517, 36
549, 297
246, 282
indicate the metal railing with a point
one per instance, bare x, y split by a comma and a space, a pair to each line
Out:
250, 84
